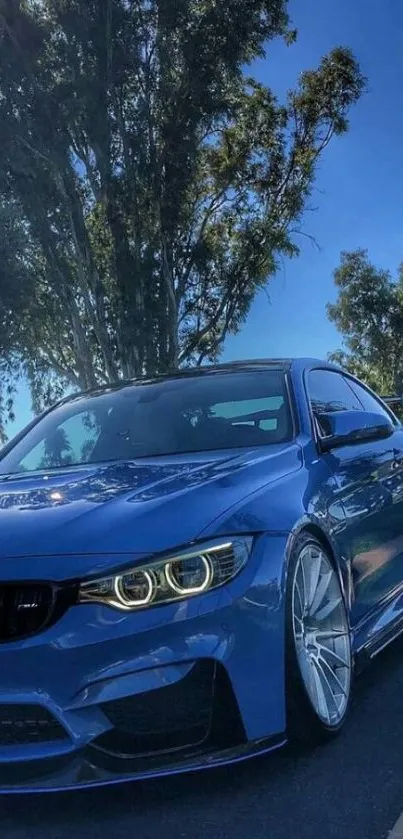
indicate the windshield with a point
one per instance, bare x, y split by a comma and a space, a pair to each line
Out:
173, 416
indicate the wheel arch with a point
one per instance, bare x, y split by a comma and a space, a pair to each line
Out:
321, 536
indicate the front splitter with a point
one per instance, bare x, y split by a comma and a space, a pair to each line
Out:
94, 768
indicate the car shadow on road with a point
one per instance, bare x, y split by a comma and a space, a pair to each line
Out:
356, 780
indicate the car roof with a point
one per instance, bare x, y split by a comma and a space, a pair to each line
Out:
297, 364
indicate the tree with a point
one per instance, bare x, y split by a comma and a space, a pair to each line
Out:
57, 450
369, 315
154, 186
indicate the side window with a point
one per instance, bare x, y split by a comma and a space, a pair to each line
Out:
251, 412
330, 391
369, 402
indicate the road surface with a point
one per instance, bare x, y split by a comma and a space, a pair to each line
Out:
349, 789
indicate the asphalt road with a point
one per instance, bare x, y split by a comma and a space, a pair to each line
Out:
349, 789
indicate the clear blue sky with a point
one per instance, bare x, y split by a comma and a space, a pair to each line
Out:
359, 187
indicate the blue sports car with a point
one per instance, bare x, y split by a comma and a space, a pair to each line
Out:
192, 567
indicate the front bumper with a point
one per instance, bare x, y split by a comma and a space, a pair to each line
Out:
102, 697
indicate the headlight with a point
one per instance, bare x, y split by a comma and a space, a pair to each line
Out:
174, 578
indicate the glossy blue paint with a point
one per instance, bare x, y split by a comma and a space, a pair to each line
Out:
79, 523
112, 508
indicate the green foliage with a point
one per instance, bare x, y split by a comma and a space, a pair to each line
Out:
152, 186
369, 315
57, 450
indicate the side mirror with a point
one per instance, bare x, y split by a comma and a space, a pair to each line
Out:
346, 428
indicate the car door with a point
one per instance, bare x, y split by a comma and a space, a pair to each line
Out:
369, 477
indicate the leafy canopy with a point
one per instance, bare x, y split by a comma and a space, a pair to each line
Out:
369, 314
148, 185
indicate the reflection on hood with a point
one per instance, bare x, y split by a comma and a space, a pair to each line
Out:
138, 482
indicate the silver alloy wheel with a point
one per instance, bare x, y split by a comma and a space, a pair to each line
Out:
321, 635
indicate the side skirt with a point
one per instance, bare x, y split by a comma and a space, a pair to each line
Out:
371, 649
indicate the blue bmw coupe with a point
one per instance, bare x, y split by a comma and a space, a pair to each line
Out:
192, 568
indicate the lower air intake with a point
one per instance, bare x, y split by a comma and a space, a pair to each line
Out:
176, 716
193, 714
28, 724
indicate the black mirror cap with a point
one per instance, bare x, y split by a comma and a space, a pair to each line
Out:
348, 428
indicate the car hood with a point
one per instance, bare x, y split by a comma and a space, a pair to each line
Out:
138, 507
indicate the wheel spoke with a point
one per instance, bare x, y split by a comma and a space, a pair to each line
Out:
331, 633
314, 576
300, 598
327, 690
338, 659
304, 587
307, 672
325, 667
320, 593
327, 610
320, 694
298, 625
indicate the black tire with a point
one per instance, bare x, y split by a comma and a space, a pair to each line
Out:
304, 726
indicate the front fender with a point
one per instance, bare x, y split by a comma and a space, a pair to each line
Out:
303, 499
326, 536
